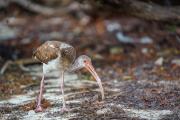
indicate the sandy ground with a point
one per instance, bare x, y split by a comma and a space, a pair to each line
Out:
83, 100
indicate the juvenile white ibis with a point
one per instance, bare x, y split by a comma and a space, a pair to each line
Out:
61, 56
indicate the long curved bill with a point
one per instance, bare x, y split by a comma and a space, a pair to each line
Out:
91, 69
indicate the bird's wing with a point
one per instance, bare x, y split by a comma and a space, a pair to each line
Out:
47, 51
52, 49
68, 54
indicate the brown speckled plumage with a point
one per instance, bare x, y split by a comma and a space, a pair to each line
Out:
52, 49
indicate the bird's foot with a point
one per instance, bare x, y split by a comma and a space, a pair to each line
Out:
38, 109
64, 109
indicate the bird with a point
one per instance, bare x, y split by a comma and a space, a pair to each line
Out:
62, 57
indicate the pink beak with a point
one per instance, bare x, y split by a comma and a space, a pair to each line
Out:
90, 68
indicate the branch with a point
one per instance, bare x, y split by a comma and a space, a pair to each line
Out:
150, 11
33, 7
153, 11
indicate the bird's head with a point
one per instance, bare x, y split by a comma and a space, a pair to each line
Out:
84, 61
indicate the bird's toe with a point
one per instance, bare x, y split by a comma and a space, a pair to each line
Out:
38, 109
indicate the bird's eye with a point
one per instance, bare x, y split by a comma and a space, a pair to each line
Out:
85, 61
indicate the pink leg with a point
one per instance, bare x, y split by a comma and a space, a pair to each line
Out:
38, 106
62, 90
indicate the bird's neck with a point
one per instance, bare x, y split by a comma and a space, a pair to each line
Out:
75, 66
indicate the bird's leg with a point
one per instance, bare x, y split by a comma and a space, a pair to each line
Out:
38, 106
63, 109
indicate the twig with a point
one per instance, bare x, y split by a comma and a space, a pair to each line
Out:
5, 66
20, 63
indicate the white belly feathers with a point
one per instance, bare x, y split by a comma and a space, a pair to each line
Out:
51, 66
